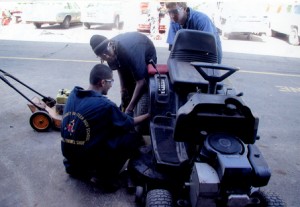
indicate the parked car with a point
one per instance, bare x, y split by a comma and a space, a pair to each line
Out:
54, 12
285, 19
244, 18
104, 13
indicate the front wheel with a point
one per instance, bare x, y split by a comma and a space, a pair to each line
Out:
268, 199
40, 121
37, 25
159, 198
66, 23
117, 23
87, 25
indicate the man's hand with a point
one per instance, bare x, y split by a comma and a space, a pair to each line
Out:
129, 113
141, 118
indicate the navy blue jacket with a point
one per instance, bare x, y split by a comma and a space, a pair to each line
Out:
90, 120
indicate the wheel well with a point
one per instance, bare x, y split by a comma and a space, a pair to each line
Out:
68, 16
294, 27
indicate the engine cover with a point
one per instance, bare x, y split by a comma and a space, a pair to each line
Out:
204, 185
209, 113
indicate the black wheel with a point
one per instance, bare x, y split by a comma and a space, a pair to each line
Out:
273, 33
87, 25
268, 199
40, 121
159, 198
117, 23
249, 37
293, 37
226, 36
142, 107
66, 22
37, 25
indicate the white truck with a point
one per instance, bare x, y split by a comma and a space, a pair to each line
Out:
103, 13
241, 17
285, 18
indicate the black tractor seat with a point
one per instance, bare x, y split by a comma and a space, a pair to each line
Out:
192, 46
184, 75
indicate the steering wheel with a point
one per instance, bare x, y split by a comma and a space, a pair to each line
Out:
213, 80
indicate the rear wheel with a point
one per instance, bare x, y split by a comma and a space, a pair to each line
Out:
37, 25
40, 121
87, 25
293, 37
159, 198
66, 23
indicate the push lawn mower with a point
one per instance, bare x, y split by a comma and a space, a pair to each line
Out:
203, 135
46, 112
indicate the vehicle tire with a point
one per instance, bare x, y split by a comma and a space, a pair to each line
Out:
293, 37
117, 22
66, 22
225, 35
40, 121
37, 25
87, 25
268, 199
141, 108
273, 33
159, 198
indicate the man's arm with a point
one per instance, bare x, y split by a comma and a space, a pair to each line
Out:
137, 120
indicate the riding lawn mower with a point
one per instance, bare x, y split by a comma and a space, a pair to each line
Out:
202, 151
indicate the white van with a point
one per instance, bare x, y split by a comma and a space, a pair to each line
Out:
241, 16
103, 13
285, 18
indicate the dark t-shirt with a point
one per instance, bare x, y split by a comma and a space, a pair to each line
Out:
134, 51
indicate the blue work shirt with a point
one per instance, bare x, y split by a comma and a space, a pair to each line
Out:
196, 21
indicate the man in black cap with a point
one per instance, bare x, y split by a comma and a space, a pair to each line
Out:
129, 53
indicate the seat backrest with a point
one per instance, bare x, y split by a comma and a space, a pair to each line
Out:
193, 45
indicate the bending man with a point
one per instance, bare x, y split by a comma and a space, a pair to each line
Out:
129, 53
